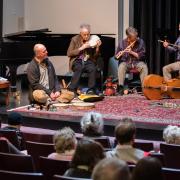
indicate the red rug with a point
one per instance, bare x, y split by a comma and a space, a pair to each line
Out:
137, 107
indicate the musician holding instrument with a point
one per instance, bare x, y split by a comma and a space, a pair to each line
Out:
176, 65
131, 54
83, 52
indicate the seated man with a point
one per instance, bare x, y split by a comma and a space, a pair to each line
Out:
125, 135
173, 66
43, 80
131, 54
83, 58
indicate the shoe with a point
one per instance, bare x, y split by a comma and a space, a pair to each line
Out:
120, 90
91, 92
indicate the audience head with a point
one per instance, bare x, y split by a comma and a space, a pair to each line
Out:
40, 52
171, 134
85, 30
147, 168
88, 153
125, 131
131, 33
92, 124
111, 169
15, 119
64, 140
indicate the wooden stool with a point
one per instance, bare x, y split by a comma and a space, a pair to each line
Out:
5, 85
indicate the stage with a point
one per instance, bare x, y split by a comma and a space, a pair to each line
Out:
147, 114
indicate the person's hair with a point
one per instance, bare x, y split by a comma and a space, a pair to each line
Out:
171, 134
64, 139
131, 31
14, 118
111, 169
85, 26
88, 153
92, 124
125, 131
147, 168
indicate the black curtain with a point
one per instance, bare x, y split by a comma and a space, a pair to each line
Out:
1, 17
157, 19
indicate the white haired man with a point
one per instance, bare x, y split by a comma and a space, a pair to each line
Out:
82, 58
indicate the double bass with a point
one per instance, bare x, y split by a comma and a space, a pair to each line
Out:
155, 87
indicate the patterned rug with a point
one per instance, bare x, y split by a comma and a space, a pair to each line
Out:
137, 107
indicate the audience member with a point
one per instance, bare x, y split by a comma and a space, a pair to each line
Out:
12, 149
147, 168
171, 134
65, 144
125, 135
111, 169
92, 124
14, 122
87, 154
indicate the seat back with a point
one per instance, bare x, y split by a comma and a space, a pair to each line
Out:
57, 177
50, 167
145, 146
14, 162
172, 155
7, 175
4, 146
42, 138
11, 135
171, 174
160, 157
36, 149
104, 141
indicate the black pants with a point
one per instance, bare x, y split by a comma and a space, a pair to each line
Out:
78, 68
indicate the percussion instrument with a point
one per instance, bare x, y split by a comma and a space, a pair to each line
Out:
83, 105
93, 40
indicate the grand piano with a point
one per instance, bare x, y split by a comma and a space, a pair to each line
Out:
17, 49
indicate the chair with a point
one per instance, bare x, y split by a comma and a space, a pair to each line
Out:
104, 141
12, 136
42, 138
172, 155
57, 177
171, 174
50, 167
145, 146
8, 175
4, 146
36, 149
14, 162
160, 157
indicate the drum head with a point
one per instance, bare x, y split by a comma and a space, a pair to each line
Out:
83, 105
93, 40
61, 105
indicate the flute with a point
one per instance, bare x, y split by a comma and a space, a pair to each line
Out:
174, 45
120, 53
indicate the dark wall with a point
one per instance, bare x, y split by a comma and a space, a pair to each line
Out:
157, 19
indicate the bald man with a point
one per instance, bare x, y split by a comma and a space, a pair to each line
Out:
43, 80
83, 58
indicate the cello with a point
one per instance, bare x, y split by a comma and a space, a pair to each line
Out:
155, 87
